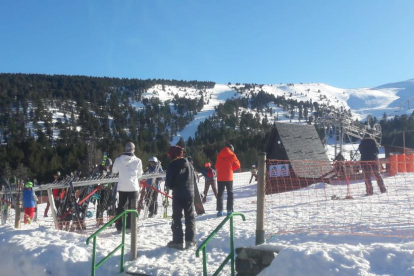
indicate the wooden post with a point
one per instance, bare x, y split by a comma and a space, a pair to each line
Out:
18, 206
3, 216
52, 207
261, 174
134, 229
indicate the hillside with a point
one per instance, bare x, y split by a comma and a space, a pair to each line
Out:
50, 123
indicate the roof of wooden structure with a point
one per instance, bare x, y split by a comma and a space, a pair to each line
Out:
299, 144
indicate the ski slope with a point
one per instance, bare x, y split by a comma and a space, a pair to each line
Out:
35, 250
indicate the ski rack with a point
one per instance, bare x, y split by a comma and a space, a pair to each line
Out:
81, 182
86, 181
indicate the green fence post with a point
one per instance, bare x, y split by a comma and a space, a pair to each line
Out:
232, 246
94, 256
124, 219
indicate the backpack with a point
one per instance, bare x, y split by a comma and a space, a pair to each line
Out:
209, 173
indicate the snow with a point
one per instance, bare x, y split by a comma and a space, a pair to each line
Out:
38, 249
219, 94
41, 250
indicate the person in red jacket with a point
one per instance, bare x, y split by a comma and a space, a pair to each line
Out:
226, 163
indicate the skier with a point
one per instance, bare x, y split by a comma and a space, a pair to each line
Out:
210, 180
339, 164
226, 163
154, 166
105, 192
55, 192
369, 157
181, 179
29, 202
253, 171
105, 166
129, 168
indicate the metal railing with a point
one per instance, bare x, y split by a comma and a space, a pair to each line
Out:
80, 182
231, 255
121, 246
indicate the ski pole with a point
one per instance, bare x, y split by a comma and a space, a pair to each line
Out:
155, 189
88, 196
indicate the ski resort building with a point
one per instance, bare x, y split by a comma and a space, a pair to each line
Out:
296, 158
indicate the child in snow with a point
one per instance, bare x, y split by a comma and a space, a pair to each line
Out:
210, 180
253, 171
29, 199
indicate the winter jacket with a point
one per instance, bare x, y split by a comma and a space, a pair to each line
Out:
152, 170
181, 178
29, 198
129, 168
226, 163
204, 173
368, 149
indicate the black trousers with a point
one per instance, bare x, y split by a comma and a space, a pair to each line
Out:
124, 197
178, 206
228, 185
152, 197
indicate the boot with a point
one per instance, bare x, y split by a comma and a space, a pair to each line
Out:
190, 244
175, 245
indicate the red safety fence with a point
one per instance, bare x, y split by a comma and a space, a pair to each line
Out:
340, 197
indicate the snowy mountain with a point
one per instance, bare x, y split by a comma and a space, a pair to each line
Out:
393, 99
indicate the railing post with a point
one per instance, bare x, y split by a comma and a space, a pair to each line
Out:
260, 198
124, 219
232, 246
18, 205
133, 230
94, 256
204, 261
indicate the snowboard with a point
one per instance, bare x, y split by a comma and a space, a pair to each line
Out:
198, 203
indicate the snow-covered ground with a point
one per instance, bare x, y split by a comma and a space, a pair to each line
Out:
39, 250
219, 94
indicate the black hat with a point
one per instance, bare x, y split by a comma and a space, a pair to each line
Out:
230, 146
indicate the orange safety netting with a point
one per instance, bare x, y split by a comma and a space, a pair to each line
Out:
339, 197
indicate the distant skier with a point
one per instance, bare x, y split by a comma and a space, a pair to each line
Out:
369, 157
29, 202
210, 180
181, 178
339, 164
226, 163
129, 168
253, 171
154, 166
105, 192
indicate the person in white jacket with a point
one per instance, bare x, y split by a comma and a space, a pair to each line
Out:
129, 168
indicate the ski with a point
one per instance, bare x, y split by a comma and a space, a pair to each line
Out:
165, 202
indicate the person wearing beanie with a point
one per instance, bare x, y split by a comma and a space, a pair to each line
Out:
129, 168
181, 178
29, 202
210, 180
226, 163
369, 163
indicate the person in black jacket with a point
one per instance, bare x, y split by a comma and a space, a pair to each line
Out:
369, 157
181, 178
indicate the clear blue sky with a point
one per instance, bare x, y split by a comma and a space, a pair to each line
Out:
352, 43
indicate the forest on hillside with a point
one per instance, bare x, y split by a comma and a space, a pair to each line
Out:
99, 117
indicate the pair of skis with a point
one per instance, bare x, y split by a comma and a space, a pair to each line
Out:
145, 199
